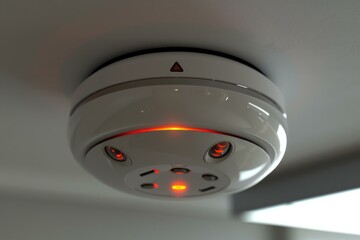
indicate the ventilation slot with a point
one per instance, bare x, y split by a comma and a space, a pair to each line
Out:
147, 173
207, 189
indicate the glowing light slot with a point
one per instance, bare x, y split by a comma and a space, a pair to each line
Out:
178, 187
259, 108
168, 128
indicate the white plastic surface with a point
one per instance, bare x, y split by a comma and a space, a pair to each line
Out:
254, 126
195, 65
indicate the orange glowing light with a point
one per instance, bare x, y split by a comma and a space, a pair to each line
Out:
168, 128
178, 187
219, 150
156, 185
222, 144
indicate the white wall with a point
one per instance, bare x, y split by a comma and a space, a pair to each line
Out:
24, 219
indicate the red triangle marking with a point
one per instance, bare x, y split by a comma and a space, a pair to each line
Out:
176, 68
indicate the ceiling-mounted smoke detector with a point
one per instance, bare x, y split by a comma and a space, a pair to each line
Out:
178, 124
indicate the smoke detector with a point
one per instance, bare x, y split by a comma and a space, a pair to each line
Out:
178, 125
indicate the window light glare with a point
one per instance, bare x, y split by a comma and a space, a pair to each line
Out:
338, 212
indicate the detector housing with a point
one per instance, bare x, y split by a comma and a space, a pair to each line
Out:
178, 125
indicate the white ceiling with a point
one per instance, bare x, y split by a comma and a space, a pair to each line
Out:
310, 49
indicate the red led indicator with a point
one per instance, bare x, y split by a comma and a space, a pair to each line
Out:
156, 171
115, 154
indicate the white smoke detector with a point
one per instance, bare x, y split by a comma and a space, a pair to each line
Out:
178, 125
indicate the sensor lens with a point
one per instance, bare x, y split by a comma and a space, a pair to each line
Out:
209, 177
115, 154
220, 149
180, 171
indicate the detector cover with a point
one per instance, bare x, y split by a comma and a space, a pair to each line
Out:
219, 122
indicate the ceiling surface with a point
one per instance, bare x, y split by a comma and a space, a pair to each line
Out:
310, 49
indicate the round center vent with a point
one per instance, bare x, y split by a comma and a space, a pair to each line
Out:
178, 125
